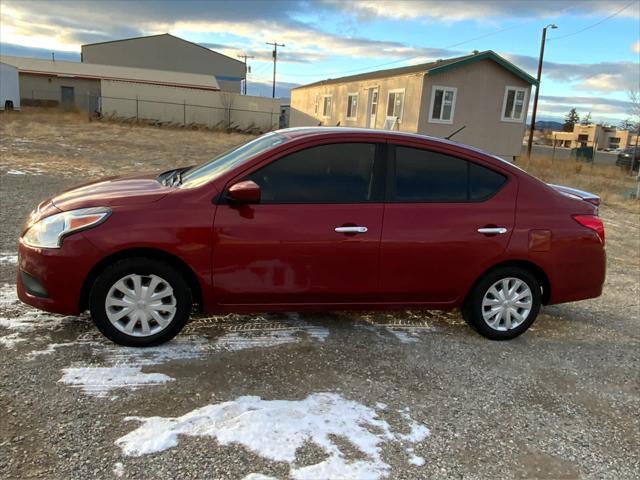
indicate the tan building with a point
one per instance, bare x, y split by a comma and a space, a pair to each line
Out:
166, 52
482, 92
597, 136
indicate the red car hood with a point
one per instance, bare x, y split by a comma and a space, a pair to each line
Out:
112, 192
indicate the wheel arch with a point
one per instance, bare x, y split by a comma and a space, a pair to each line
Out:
531, 267
152, 254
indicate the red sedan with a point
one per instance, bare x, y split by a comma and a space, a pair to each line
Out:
315, 219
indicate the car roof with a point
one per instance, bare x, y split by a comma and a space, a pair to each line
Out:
296, 133
307, 132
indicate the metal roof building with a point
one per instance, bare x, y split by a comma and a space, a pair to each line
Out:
168, 53
91, 71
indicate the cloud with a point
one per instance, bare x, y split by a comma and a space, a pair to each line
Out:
602, 109
460, 10
596, 77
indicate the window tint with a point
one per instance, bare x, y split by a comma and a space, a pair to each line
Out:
483, 182
336, 173
423, 176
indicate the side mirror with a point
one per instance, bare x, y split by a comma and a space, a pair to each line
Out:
246, 191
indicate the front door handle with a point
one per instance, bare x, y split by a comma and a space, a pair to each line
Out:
492, 230
351, 229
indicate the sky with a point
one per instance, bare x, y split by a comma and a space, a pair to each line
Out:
592, 59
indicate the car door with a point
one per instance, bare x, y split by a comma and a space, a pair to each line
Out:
447, 219
314, 237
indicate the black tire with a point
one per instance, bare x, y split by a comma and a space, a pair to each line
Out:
472, 307
139, 266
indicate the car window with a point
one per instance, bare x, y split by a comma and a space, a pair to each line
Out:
211, 170
424, 176
335, 173
483, 182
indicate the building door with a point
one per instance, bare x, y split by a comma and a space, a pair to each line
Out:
372, 107
68, 95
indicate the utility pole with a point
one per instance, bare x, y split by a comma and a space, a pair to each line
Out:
246, 71
535, 99
275, 58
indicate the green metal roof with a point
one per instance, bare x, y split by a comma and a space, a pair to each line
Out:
486, 55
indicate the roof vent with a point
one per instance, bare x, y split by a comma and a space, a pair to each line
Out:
439, 60
475, 52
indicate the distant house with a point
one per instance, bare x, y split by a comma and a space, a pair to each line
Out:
170, 53
482, 92
597, 136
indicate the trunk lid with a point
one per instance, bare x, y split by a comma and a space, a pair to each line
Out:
592, 198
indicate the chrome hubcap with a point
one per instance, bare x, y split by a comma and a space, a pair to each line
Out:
507, 304
140, 305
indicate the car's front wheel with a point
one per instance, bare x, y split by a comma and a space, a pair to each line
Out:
504, 303
139, 302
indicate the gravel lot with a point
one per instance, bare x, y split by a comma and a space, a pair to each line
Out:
405, 395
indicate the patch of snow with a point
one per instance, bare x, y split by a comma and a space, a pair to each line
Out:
275, 429
16, 172
10, 340
381, 406
258, 476
51, 348
8, 259
99, 381
118, 469
405, 335
416, 460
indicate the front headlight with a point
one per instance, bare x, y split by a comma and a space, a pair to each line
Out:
49, 232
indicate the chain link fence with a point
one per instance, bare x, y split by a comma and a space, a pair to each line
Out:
185, 113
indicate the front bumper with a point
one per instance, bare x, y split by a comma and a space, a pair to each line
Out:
52, 279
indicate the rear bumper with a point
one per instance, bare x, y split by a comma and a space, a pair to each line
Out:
52, 279
579, 277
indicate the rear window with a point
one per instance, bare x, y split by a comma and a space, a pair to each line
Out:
424, 176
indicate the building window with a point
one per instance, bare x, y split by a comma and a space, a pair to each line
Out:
352, 106
513, 104
316, 103
443, 104
395, 105
326, 106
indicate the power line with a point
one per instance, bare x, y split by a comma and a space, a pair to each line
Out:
593, 25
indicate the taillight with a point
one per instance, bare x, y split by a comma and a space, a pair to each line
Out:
591, 222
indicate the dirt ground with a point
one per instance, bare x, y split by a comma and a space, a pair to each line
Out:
335, 395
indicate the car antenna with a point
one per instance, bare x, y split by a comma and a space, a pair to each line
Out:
457, 131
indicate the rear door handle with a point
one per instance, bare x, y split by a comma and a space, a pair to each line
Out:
351, 229
492, 230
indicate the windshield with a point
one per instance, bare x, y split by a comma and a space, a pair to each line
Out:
220, 165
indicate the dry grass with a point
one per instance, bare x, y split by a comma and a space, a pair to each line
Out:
50, 141
610, 182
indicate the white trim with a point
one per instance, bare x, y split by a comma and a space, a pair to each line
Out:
324, 97
524, 103
386, 115
453, 103
354, 114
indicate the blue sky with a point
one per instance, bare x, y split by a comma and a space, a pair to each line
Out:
591, 60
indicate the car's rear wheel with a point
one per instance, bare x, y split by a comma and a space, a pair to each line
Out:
504, 303
139, 302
